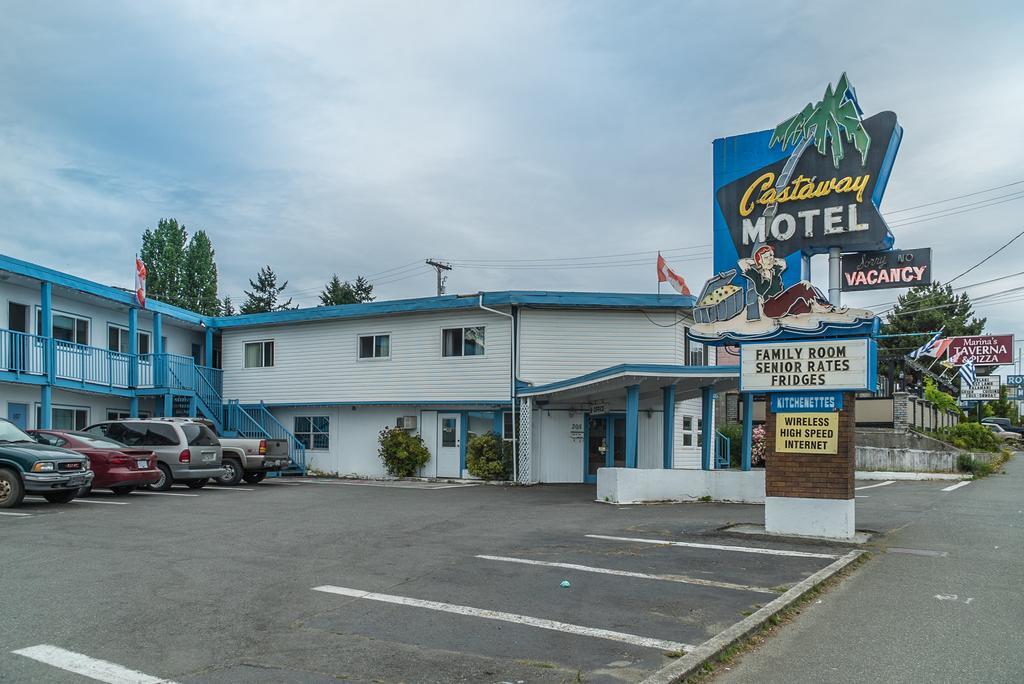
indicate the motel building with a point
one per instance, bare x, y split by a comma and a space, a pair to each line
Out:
577, 380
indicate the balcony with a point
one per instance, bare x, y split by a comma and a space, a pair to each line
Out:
27, 358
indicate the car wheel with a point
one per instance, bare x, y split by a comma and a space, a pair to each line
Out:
11, 491
123, 490
61, 497
197, 484
254, 478
84, 491
234, 472
165, 481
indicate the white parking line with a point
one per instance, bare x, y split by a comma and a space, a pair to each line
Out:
16, 515
683, 579
958, 485
87, 501
230, 489
880, 484
100, 670
717, 547
541, 623
392, 485
282, 484
164, 494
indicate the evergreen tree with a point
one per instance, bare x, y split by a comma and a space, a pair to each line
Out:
227, 308
363, 289
265, 293
163, 252
924, 310
337, 292
343, 292
199, 276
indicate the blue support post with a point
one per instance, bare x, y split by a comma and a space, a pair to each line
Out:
208, 350
168, 405
192, 406
748, 430
499, 423
707, 399
159, 362
668, 401
133, 347
50, 354
158, 333
632, 423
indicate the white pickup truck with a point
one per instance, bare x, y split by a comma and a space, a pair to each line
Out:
249, 459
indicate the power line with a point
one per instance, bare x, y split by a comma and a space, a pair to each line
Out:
952, 211
1012, 240
592, 257
950, 199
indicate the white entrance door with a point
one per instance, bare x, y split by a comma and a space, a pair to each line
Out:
449, 444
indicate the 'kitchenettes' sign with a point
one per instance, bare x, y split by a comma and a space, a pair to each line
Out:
841, 364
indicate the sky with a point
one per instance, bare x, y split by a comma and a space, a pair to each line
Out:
513, 139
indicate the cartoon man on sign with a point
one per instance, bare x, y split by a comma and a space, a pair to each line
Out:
764, 271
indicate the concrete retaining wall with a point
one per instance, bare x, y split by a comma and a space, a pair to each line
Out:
886, 438
641, 485
906, 460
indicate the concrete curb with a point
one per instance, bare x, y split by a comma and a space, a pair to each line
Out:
692, 662
900, 475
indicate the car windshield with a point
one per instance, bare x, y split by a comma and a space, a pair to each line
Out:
98, 442
198, 434
9, 432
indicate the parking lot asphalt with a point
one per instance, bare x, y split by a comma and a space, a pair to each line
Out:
308, 581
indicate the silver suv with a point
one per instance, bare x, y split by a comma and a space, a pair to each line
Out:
187, 452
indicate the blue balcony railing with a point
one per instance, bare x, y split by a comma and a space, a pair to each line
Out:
22, 353
91, 365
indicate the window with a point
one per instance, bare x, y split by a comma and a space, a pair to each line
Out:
463, 341
117, 340
375, 346
50, 440
66, 327
64, 417
259, 354
197, 434
138, 434
700, 432
117, 414
313, 431
449, 427
687, 430
507, 429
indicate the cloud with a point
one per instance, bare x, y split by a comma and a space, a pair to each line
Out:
360, 137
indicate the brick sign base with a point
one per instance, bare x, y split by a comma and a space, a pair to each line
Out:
812, 494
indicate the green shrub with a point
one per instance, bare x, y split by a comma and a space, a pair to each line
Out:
734, 431
972, 437
489, 457
402, 454
966, 464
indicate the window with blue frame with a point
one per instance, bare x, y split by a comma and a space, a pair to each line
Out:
313, 431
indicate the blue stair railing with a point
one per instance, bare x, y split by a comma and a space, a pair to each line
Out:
240, 422
208, 399
723, 449
273, 428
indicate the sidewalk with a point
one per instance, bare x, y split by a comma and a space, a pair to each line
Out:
914, 614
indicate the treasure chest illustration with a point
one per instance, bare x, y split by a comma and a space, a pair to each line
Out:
720, 300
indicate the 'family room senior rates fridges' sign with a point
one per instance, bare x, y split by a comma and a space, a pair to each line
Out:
841, 364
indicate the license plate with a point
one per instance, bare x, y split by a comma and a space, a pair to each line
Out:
210, 457
142, 464
76, 480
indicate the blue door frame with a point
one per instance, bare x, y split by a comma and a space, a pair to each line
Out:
609, 438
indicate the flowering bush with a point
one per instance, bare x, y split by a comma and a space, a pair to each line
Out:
489, 457
758, 447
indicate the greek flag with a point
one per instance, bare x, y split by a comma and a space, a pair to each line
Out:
928, 347
967, 373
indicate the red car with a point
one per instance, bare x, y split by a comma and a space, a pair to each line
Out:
117, 467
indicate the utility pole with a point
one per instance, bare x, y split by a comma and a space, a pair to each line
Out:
440, 267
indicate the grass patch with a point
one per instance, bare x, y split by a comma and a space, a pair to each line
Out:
705, 499
980, 469
732, 653
673, 654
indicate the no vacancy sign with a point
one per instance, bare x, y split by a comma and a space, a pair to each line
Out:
822, 365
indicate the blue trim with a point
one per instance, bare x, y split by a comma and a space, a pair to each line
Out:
168, 406
498, 426
632, 369
748, 430
65, 280
46, 407
593, 300
208, 348
861, 327
463, 438
586, 449
707, 398
133, 407
632, 424
133, 346
498, 403
668, 403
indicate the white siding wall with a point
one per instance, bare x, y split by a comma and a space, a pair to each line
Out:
686, 456
317, 362
563, 343
179, 338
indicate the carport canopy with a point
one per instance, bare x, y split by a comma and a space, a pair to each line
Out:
670, 382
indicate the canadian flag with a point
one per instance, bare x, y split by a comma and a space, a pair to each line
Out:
666, 274
140, 282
